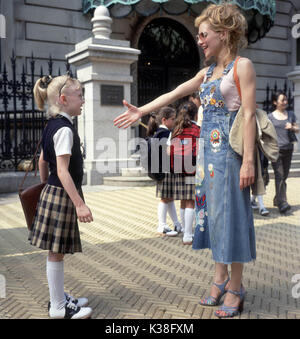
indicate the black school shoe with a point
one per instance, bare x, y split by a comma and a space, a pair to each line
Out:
284, 207
70, 311
81, 302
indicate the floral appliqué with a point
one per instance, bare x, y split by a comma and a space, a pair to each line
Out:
211, 170
215, 140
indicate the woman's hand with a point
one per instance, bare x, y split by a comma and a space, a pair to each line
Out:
247, 175
129, 117
84, 214
288, 125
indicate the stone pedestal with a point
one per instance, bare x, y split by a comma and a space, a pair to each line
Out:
103, 67
295, 77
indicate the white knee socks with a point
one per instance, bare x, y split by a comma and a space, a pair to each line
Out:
55, 276
260, 202
182, 218
162, 210
188, 228
173, 214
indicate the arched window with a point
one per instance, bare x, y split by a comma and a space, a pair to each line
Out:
169, 56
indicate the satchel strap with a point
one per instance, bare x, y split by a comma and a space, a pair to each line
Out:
31, 162
236, 78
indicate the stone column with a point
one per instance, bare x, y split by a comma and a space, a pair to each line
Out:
103, 67
295, 77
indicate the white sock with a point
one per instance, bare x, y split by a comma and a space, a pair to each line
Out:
253, 197
189, 220
173, 214
182, 218
55, 276
162, 209
260, 202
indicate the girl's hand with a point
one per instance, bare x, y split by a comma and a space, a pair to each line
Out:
129, 117
247, 175
84, 214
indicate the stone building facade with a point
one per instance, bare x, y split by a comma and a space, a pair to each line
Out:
53, 28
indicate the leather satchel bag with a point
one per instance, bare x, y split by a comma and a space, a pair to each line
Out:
29, 196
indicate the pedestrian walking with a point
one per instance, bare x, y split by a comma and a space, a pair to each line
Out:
224, 219
159, 127
183, 149
285, 124
55, 226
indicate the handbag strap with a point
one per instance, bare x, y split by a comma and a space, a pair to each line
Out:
236, 78
32, 160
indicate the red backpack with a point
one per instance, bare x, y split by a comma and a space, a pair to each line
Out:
184, 149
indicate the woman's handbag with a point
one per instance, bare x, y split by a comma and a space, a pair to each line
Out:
29, 196
292, 135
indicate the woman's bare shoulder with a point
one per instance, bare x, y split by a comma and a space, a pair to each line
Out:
245, 68
245, 62
201, 74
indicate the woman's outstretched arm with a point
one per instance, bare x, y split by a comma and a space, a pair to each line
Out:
133, 113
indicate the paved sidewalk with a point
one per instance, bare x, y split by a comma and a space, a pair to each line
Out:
126, 271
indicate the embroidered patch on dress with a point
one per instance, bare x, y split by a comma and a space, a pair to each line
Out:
201, 215
215, 140
201, 201
211, 170
213, 101
199, 176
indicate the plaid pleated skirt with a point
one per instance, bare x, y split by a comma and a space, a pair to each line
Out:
55, 226
177, 186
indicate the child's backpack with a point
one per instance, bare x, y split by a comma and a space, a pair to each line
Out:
154, 157
184, 149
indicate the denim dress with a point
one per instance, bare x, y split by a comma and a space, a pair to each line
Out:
224, 219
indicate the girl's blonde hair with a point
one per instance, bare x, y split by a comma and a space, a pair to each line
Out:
47, 91
226, 17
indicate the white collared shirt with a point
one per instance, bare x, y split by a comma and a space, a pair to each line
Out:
63, 138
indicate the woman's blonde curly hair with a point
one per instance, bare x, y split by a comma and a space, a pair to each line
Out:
226, 17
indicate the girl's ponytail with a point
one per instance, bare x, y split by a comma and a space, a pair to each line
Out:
152, 125
186, 113
40, 91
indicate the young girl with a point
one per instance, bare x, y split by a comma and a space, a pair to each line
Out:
160, 126
185, 135
55, 226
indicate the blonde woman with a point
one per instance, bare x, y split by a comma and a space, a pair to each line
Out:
55, 226
224, 220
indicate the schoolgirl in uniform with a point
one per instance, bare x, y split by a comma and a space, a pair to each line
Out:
160, 126
55, 226
185, 134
